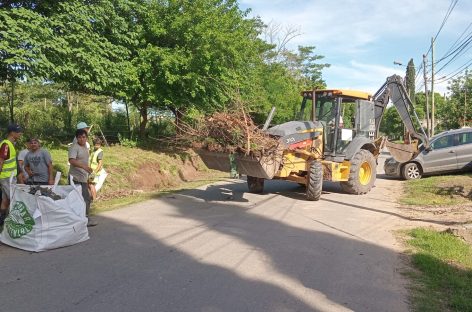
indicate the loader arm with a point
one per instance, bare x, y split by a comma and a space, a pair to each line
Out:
393, 89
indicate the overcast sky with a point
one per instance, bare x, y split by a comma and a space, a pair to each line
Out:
361, 39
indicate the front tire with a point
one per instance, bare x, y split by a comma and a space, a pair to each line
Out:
411, 171
255, 185
314, 184
362, 174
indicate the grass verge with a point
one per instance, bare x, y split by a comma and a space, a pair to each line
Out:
438, 191
136, 174
443, 280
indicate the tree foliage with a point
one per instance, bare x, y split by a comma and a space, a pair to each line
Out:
456, 110
410, 80
182, 55
392, 125
24, 41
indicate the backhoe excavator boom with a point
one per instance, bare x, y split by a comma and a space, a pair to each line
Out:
393, 89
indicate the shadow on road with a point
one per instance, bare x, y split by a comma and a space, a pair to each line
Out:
130, 265
235, 193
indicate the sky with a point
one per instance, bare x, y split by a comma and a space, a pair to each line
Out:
361, 39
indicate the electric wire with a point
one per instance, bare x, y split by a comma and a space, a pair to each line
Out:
448, 13
460, 50
456, 72
453, 46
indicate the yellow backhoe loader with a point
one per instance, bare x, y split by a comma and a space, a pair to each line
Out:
336, 140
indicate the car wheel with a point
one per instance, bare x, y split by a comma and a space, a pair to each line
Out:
411, 171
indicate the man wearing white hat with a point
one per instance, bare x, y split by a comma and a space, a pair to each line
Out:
83, 125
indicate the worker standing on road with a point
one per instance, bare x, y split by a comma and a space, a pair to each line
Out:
96, 163
79, 168
8, 165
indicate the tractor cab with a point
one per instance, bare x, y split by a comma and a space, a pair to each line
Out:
347, 117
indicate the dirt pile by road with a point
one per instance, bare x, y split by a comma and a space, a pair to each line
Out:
152, 175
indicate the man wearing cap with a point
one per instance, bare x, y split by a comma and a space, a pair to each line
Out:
8, 165
84, 126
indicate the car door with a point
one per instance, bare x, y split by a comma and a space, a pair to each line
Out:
441, 156
464, 150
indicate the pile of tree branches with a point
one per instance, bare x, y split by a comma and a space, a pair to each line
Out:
225, 132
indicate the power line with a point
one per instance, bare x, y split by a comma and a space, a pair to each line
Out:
448, 13
456, 72
457, 51
418, 71
460, 52
456, 42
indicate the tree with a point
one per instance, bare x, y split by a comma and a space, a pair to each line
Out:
23, 41
410, 80
154, 55
81, 44
392, 124
456, 110
191, 54
283, 79
283, 75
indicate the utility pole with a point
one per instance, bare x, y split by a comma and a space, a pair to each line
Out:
428, 128
432, 88
465, 105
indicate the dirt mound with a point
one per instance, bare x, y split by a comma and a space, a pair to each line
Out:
152, 175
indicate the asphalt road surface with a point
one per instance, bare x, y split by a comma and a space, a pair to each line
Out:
219, 248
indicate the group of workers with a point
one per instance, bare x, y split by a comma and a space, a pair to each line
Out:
33, 165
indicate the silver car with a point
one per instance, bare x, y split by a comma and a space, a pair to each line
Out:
449, 151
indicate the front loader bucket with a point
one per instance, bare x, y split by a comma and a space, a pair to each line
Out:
259, 166
403, 152
215, 160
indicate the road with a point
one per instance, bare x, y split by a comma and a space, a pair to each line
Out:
219, 248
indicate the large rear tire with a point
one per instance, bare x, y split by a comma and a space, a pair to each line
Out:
255, 185
314, 184
362, 174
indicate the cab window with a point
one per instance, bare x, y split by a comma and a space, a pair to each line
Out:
443, 142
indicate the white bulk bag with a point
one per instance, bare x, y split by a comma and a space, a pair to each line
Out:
38, 223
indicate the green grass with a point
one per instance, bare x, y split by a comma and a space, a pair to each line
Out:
443, 280
136, 174
438, 191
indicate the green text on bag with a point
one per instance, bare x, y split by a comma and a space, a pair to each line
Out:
19, 222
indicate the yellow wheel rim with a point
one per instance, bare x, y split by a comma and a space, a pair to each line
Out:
365, 173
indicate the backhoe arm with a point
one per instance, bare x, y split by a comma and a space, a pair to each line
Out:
393, 89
